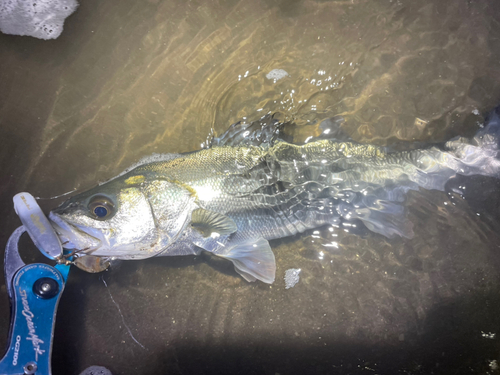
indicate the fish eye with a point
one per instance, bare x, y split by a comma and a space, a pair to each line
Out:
100, 211
101, 207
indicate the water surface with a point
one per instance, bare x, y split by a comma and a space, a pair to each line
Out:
127, 79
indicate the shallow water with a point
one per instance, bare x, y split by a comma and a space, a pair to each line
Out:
127, 79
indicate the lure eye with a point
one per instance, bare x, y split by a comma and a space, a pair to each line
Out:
101, 208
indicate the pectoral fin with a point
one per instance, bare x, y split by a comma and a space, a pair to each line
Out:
253, 260
208, 222
91, 264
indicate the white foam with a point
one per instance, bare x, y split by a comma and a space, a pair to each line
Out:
292, 277
277, 74
41, 19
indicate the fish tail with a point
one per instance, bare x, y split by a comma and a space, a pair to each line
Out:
353, 181
489, 136
480, 155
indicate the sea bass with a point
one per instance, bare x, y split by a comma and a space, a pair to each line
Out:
251, 186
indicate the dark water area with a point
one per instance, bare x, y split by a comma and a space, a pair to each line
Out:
127, 79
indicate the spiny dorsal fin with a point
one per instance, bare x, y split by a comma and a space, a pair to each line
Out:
208, 222
257, 133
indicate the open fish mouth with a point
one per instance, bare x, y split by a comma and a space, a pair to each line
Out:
74, 237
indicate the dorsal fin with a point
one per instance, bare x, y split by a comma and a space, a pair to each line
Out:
263, 131
331, 128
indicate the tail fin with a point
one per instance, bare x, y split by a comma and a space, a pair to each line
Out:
488, 137
479, 155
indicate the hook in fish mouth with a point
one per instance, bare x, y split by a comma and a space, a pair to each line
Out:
70, 257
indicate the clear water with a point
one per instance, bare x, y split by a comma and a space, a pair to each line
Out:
127, 79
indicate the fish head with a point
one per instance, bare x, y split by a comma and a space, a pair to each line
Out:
121, 219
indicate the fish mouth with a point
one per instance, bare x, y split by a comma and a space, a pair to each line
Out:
75, 237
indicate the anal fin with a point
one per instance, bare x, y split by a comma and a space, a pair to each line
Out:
253, 260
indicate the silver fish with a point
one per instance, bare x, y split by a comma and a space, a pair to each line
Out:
251, 186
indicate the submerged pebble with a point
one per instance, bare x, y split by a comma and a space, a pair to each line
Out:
96, 370
292, 277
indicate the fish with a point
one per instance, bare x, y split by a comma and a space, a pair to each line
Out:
251, 185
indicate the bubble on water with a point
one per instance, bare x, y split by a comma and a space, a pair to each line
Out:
292, 277
494, 365
277, 74
488, 335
